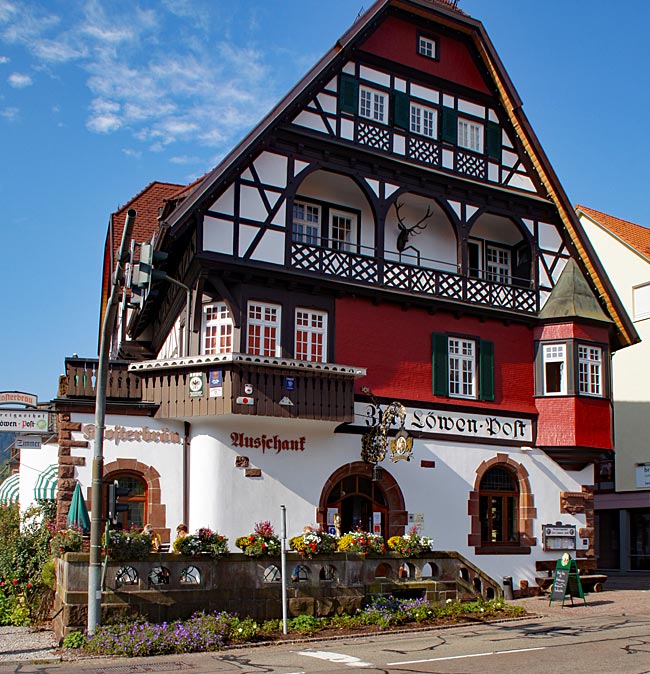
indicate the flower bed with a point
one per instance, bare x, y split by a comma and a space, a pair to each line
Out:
361, 541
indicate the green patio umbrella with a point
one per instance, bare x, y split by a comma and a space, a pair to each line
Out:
78, 513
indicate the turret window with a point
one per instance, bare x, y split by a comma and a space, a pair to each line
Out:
555, 379
589, 370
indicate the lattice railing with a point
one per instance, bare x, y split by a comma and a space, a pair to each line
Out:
410, 278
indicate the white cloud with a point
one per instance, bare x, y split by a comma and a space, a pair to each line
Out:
130, 152
4, 59
185, 159
19, 80
105, 123
10, 114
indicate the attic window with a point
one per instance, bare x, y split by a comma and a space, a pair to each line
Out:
427, 47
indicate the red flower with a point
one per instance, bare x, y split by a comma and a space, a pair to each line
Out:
15, 581
29, 585
2, 583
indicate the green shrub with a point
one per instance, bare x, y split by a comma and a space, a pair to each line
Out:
305, 624
66, 540
74, 640
125, 545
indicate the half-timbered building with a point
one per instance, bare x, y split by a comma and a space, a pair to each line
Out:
386, 268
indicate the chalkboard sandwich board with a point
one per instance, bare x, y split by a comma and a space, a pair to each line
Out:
566, 580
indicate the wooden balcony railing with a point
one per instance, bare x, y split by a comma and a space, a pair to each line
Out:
248, 385
81, 380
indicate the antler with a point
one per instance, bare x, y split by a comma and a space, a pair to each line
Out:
407, 232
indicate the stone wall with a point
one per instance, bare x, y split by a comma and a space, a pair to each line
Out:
166, 587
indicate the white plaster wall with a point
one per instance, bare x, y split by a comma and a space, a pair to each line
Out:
32, 463
222, 498
630, 366
166, 458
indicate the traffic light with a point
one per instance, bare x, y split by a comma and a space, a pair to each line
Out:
114, 507
146, 273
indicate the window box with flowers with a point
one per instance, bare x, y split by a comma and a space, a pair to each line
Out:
313, 542
125, 545
203, 542
361, 541
261, 543
66, 540
410, 545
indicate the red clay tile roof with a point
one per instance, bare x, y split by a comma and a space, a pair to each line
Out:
636, 236
146, 203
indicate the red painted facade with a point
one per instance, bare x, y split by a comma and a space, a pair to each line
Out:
397, 352
396, 40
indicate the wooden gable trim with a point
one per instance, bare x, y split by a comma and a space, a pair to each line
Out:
512, 107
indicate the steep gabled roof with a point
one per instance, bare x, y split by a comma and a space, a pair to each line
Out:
635, 236
444, 13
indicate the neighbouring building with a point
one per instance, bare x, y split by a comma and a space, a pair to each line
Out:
385, 268
622, 498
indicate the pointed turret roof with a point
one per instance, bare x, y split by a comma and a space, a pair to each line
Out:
572, 298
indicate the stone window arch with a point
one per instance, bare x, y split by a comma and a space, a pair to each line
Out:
496, 472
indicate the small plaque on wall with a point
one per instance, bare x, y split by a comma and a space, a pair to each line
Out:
242, 462
253, 472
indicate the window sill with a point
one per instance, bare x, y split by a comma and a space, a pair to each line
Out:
503, 550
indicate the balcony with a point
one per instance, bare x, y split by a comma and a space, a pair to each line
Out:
81, 380
248, 385
416, 277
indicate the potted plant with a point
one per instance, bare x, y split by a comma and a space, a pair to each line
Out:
124, 545
203, 542
66, 540
313, 542
411, 544
262, 542
361, 541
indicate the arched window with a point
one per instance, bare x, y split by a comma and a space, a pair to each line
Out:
499, 507
360, 503
135, 515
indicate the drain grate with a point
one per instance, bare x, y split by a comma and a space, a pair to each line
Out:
138, 669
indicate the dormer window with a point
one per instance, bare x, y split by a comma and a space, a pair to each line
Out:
427, 47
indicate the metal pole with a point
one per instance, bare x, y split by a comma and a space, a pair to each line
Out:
108, 324
283, 565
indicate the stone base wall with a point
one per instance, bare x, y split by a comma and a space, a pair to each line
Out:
163, 587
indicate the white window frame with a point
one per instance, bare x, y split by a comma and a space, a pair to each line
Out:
348, 243
311, 331
590, 370
216, 329
471, 134
427, 47
462, 368
641, 301
498, 263
555, 355
306, 229
373, 104
264, 319
418, 122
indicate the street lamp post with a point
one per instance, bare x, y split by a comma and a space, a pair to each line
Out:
108, 325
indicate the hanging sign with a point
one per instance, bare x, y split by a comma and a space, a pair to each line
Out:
18, 397
27, 442
25, 421
566, 580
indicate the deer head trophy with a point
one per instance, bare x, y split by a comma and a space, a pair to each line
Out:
405, 233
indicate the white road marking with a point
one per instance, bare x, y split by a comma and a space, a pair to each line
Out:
339, 658
472, 655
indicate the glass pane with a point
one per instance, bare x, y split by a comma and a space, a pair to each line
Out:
133, 484
484, 518
498, 479
513, 519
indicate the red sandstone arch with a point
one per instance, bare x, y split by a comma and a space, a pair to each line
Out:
156, 510
397, 517
527, 510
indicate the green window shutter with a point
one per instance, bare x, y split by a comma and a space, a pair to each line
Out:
348, 93
440, 365
486, 370
449, 126
493, 140
401, 110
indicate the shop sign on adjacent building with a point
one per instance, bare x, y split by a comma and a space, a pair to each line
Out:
8, 397
27, 442
26, 421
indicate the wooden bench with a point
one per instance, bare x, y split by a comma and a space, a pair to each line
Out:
589, 579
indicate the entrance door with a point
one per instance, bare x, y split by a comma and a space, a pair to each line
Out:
357, 498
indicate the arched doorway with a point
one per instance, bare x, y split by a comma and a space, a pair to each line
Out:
361, 503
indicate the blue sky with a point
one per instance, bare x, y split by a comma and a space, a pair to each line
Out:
99, 98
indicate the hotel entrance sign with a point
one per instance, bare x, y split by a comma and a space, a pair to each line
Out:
23, 421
